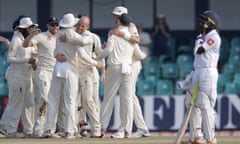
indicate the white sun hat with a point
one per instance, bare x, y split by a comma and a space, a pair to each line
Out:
68, 20
119, 10
26, 22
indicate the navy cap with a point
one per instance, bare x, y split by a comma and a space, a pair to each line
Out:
53, 20
211, 17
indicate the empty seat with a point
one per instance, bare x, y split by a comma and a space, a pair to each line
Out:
231, 88
223, 78
184, 49
234, 59
224, 50
152, 59
170, 71
152, 78
185, 69
236, 79
151, 69
230, 68
145, 87
164, 87
235, 42
162, 59
234, 50
184, 58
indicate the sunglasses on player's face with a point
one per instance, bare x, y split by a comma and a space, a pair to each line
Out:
54, 24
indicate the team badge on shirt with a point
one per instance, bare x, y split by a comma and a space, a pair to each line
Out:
210, 42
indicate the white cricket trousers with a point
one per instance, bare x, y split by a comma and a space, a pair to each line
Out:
55, 98
21, 102
115, 81
69, 86
88, 100
206, 98
82, 113
137, 111
70, 95
43, 80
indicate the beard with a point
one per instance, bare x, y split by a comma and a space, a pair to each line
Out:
24, 32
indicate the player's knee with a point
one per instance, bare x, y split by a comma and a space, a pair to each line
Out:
203, 101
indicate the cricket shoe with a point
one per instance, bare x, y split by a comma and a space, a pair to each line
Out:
83, 133
15, 135
37, 136
141, 133
3, 131
199, 140
103, 131
69, 136
48, 134
61, 134
2, 136
77, 135
213, 142
93, 136
120, 134
27, 135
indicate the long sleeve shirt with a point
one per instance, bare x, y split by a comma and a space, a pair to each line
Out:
46, 44
209, 59
18, 56
118, 50
91, 49
71, 48
74, 43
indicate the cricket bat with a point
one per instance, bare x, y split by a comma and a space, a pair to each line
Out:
184, 124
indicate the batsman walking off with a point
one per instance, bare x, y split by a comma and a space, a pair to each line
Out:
206, 56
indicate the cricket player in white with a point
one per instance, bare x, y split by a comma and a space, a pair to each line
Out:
118, 76
69, 72
46, 44
142, 130
4, 119
87, 78
97, 46
206, 52
136, 66
21, 98
69, 80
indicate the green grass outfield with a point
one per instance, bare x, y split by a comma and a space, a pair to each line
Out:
108, 140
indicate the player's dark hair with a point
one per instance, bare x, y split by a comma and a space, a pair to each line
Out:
125, 19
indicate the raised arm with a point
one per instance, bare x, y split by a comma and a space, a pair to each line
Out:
5, 41
27, 42
126, 36
75, 38
12, 55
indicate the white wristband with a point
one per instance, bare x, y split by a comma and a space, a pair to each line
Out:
127, 36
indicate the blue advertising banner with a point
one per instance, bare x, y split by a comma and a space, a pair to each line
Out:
165, 113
